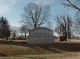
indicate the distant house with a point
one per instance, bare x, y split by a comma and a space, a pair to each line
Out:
41, 35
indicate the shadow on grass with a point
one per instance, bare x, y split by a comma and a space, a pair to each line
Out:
3, 54
51, 49
31, 46
37, 57
55, 47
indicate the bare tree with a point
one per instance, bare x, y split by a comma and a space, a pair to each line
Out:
77, 23
13, 33
72, 5
69, 27
57, 29
35, 15
24, 30
64, 27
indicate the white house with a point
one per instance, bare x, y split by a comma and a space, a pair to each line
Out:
40, 35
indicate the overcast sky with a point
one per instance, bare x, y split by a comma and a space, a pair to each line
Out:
12, 9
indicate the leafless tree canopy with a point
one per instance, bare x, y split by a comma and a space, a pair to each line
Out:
64, 26
24, 30
35, 15
72, 5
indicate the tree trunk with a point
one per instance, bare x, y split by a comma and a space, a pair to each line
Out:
35, 26
25, 36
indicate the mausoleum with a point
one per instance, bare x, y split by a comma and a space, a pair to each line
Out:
40, 35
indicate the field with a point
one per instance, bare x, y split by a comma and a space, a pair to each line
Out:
21, 50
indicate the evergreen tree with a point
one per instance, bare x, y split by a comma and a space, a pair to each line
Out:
4, 28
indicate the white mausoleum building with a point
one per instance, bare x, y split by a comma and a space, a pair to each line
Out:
41, 35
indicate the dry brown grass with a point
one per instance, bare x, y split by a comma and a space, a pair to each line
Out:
12, 50
52, 51
66, 55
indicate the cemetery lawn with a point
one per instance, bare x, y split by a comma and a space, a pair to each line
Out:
66, 55
13, 50
8, 51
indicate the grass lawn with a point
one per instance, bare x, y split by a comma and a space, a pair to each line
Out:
66, 55
13, 50
38, 52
